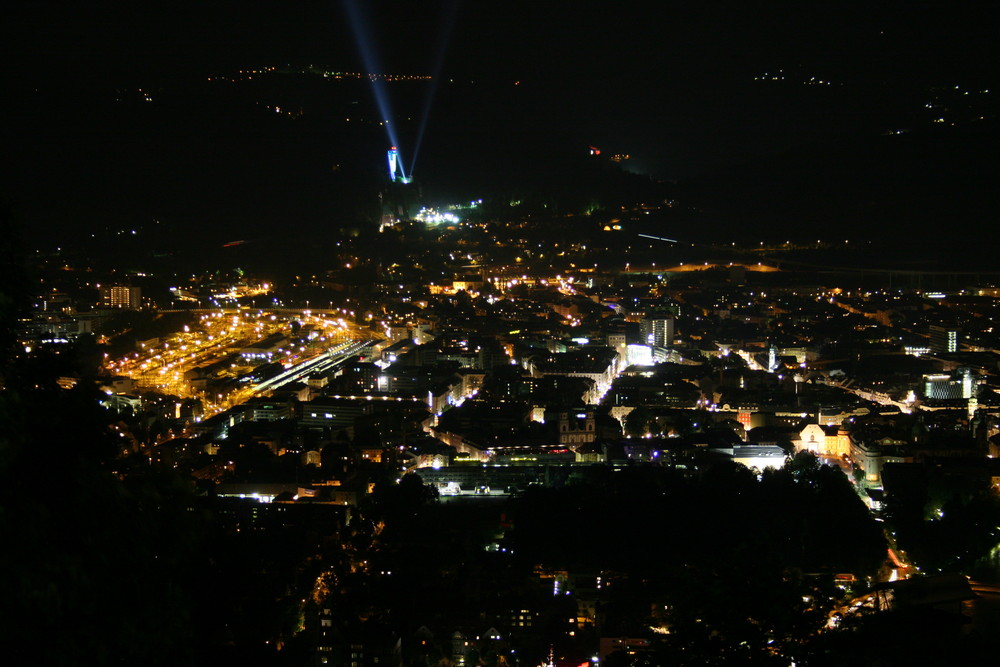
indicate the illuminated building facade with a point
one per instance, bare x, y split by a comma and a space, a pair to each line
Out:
823, 442
578, 430
958, 385
658, 330
943, 339
122, 296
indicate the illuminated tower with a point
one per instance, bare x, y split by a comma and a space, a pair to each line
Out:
396, 171
393, 163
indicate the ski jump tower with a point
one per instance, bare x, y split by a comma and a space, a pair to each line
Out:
396, 167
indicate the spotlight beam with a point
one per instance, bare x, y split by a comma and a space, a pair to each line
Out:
444, 37
363, 37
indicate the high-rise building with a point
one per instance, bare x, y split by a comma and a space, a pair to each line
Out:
122, 296
944, 339
658, 330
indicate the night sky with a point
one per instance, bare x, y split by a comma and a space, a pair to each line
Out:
625, 42
673, 86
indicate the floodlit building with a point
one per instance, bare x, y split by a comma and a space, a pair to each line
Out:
829, 441
871, 456
578, 429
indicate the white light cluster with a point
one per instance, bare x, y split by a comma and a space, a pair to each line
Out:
433, 216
